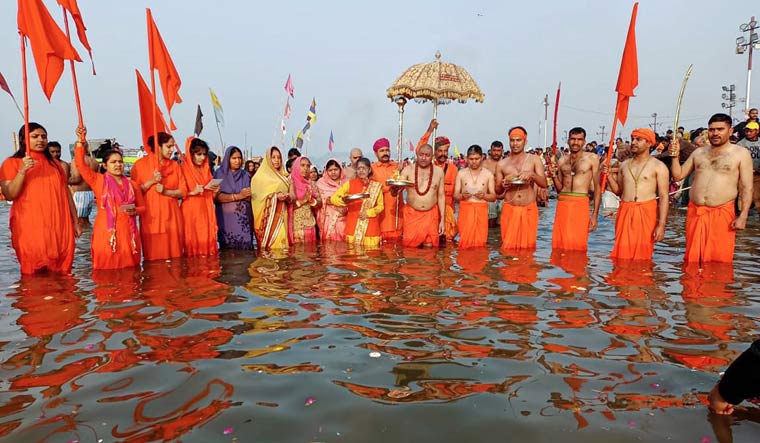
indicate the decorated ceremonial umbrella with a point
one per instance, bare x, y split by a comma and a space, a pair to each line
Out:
438, 82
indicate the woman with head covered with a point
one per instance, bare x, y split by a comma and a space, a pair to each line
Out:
233, 205
331, 219
270, 194
363, 198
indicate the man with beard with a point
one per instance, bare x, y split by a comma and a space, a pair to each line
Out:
517, 177
638, 181
55, 151
425, 207
382, 170
573, 176
350, 170
721, 172
751, 141
492, 164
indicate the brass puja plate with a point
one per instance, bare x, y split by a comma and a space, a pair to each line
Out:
517, 181
400, 183
359, 196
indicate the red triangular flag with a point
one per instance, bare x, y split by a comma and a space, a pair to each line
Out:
76, 14
289, 86
628, 78
161, 61
49, 44
4, 85
147, 103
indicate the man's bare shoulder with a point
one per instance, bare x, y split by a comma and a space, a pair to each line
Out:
591, 157
487, 173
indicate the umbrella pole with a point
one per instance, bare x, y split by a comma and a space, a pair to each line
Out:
401, 101
435, 116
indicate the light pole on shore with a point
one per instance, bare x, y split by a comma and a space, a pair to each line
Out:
730, 100
742, 45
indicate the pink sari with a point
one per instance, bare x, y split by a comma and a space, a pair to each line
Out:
302, 226
331, 219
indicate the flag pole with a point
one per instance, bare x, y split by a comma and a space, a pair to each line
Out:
156, 160
73, 72
554, 133
220, 134
610, 150
27, 139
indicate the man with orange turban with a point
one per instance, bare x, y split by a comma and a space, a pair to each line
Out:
638, 181
450, 170
392, 218
722, 171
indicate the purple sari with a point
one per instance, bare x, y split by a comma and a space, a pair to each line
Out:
235, 219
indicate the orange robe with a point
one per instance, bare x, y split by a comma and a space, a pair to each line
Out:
449, 179
473, 223
571, 223
371, 235
420, 227
161, 225
519, 226
42, 228
128, 247
382, 172
635, 224
198, 212
708, 233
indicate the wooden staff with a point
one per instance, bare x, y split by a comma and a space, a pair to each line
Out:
73, 73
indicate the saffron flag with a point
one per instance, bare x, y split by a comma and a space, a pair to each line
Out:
289, 86
147, 103
218, 111
331, 143
50, 46
4, 85
76, 14
628, 78
161, 61
287, 109
198, 122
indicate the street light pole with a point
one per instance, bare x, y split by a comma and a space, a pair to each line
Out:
730, 97
743, 44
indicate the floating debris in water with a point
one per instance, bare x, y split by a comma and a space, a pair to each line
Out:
400, 393
705, 440
375, 354
631, 423
310, 401
655, 385
228, 431
90, 347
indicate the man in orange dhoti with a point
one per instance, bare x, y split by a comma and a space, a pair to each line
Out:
721, 172
473, 189
516, 176
638, 181
43, 219
573, 177
382, 170
425, 207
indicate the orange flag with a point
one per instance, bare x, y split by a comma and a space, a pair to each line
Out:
147, 103
162, 62
628, 78
50, 46
76, 14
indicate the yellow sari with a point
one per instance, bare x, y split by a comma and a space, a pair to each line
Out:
270, 216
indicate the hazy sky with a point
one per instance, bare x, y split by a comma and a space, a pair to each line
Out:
346, 53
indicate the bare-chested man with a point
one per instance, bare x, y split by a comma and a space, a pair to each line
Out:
473, 190
638, 181
354, 156
55, 151
721, 172
425, 209
84, 199
517, 176
491, 163
574, 176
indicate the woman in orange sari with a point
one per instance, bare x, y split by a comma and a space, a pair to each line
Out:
270, 193
198, 207
159, 178
331, 219
115, 240
362, 223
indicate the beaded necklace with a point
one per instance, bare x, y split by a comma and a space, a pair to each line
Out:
416, 180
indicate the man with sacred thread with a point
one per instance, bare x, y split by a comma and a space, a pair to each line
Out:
391, 219
516, 176
473, 190
721, 172
641, 217
425, 209
574, 176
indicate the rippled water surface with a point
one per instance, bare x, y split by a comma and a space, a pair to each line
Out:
334, 345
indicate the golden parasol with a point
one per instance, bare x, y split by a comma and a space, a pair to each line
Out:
439, 82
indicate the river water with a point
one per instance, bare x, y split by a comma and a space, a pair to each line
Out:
333, 345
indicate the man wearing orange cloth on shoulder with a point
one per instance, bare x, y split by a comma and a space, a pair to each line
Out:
573, 177
442, 145
473, 190
516, 176
382, 170
721, 172
425, 207
638, 181
43, 218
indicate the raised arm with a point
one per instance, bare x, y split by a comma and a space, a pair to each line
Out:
677, 170
337, 198
83, 170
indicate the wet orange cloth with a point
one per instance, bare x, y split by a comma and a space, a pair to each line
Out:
420, 227
519, 226
473, 223
708, 233
634, 227
42, 230
198, 213
161, 225
571, 223
382, 172
126, 255
449, 179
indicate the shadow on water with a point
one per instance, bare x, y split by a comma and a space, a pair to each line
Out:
327, 343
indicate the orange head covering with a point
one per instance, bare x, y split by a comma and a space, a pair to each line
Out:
645, 133
380, 144
518, 132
